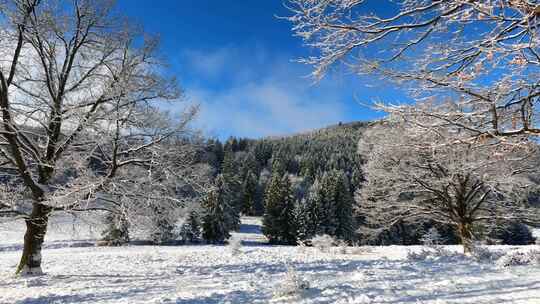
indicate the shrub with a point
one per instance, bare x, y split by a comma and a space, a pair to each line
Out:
235, 246
358, 250
514, 233
413, 233
323, 242
434, 254
483, 254
292, 285
343, 246
432, 237
519, 258
191, 229
422, 255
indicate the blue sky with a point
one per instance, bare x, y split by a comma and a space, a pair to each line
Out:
236, 59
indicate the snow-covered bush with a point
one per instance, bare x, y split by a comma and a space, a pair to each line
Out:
432, 237
514, 233
360, 250
519, 258
323, 242
302, 246
235, 246
357, 299
535, 257
484, 254
433, 254
342, 247
292, 284
419, 256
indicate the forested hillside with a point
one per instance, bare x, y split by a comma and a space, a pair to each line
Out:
304, 185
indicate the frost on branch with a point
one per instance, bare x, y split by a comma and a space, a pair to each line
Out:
482, 55
293, 285
414, 174
82, 129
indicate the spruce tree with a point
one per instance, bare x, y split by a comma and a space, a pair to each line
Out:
272, 205
327, 222
162, 230
228, 166
230, 201
288, 217
216, 148
117, 231
328, 208
249, 194
230, 184
304, 227
249, 164
309, 213
279, 218
262, 151
191, 229
344, 207
215, 220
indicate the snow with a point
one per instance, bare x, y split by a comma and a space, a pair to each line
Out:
258, 274
536, 233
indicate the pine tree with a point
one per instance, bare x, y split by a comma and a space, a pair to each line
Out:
279, 161
191, 229
249, 164
272, 214
304, 227
216, 148
117, 231
229, 182
328, 208
288, 217
327, 222
228, 166
230, 200
214, 221
344, 207
249, 194
262, 151
279, 218
162, 226
309, 213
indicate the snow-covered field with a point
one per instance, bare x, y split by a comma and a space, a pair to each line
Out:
259, 274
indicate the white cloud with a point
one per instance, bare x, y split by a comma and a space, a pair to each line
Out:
208, 64
262, 97
261, 110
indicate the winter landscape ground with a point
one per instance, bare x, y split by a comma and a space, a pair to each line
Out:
203, 166
78, 272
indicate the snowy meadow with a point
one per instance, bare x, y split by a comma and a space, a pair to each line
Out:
78, 272
207, 169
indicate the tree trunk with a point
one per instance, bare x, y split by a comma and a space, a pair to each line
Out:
466, 236
36, 227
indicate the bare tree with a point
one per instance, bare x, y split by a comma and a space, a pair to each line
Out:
79, 99
414, 174
480, 58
